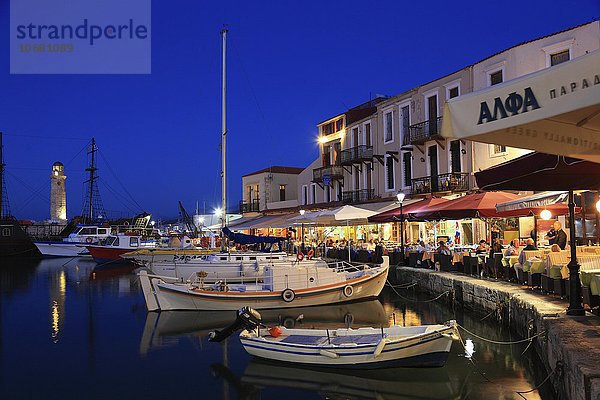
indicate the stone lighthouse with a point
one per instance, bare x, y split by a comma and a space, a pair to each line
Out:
58, 193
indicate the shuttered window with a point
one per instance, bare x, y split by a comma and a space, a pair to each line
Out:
406, 158
389, 173
560, 57
455, 155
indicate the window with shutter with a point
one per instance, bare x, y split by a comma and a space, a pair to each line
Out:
389, 175
406, 158
455, 155
560, 57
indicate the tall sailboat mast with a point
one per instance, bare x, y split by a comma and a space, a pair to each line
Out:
1, 178
92, 171
224, 137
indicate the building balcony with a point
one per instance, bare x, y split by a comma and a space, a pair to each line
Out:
452, 182
249, 206
356, 155
358, 196
331, 173
424, 131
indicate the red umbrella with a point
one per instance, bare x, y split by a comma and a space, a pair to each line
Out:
394, 214
476, 205
541, 172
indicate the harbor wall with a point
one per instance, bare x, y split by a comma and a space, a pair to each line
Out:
568, 343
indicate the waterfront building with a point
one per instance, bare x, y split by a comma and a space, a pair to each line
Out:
370, 152
270, 188
58, 193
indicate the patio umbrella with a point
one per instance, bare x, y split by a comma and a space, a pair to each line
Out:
414, 207
476, 205
540, 171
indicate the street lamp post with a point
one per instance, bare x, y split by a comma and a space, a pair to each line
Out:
302, 211
575, 299
400, 196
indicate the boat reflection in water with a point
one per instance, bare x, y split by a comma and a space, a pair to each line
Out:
163, 329
390, 383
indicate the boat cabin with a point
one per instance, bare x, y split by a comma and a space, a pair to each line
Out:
88, 234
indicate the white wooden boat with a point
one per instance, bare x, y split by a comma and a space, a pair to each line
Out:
416, 346
281, 286
74, 244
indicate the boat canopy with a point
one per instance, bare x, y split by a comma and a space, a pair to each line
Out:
251, 239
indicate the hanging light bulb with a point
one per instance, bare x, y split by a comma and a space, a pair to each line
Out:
546, 214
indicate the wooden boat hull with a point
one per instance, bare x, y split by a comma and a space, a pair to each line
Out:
426, 350
61, 249
14, 242
104, 254
160, 295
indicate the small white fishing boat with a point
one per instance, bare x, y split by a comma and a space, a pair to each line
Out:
74, 244
415, 346
280, 286
396, 346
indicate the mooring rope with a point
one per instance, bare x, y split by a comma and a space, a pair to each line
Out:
529, 339
402, 285
417, 300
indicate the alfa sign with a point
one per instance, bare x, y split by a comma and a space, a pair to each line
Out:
514, 104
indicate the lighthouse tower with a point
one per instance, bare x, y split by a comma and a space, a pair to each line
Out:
58, 194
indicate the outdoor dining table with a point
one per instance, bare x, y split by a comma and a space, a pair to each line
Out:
512, 260
458, 257
558, 271
534, 266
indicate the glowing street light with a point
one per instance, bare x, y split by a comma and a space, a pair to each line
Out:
218, 212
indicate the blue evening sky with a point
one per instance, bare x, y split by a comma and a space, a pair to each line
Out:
291, 64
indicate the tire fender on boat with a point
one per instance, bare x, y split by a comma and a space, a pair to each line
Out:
288, 295
88, 240
328, 353
379, 347
348, 291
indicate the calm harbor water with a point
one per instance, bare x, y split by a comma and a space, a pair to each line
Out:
71, 331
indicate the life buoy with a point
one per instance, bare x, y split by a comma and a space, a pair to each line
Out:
348, 291
300, 256
311, 253
288, 295
88, 240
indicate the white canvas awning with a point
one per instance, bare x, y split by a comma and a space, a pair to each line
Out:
555, 110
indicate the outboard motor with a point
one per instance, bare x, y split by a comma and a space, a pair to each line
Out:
247, 318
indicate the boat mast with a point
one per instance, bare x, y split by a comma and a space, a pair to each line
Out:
224, 137
1, 177
92, 171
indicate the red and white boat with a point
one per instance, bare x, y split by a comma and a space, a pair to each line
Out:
111, 249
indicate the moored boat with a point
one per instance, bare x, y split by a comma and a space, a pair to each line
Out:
396, 346
74, 244
111, 249
281, 286
416, 346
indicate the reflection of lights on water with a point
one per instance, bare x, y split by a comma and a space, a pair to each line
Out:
469, 348
55, 321
62, 282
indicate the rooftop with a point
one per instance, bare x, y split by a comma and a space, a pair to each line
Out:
277, 169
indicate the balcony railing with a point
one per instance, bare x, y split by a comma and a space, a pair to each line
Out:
424, 131
334, 172
452, 182
249, 206
357, 196
357, 154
